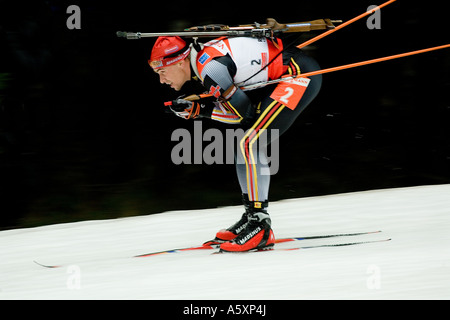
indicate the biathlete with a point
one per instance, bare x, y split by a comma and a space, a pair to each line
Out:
223, 66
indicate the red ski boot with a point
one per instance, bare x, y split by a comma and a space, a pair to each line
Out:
257, 233
233, 231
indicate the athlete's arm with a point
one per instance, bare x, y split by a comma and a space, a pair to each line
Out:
218, 79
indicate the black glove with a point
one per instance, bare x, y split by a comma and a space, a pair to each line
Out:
187, 109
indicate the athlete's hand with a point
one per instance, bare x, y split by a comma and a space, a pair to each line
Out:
185, 109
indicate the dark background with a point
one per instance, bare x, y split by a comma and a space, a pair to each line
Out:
83, 132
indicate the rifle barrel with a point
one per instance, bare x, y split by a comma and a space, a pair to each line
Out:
207, 34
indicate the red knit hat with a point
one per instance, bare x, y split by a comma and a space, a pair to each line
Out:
167, 51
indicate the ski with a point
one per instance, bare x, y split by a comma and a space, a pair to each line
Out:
345, 244
47, 265
214, 244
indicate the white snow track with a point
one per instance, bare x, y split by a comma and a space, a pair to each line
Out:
96, 256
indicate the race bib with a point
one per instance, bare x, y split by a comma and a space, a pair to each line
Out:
290, 92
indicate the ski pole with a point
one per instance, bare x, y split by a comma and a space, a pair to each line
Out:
192, 97
366, 62
330, 31
338, 68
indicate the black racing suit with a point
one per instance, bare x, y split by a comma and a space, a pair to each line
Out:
257, 112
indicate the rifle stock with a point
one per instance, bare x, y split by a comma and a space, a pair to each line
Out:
319, 24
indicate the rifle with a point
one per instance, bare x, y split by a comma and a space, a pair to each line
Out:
271, 28
256, 30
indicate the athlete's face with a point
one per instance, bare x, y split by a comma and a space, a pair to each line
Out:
175, 75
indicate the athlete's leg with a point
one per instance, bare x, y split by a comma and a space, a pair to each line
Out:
275, 118
252, 167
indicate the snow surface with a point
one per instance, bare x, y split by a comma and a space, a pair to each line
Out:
97, 263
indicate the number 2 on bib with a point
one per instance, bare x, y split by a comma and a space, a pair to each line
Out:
285, 99
290, 92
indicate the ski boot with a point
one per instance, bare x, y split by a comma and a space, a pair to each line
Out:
255, 234
233, 231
